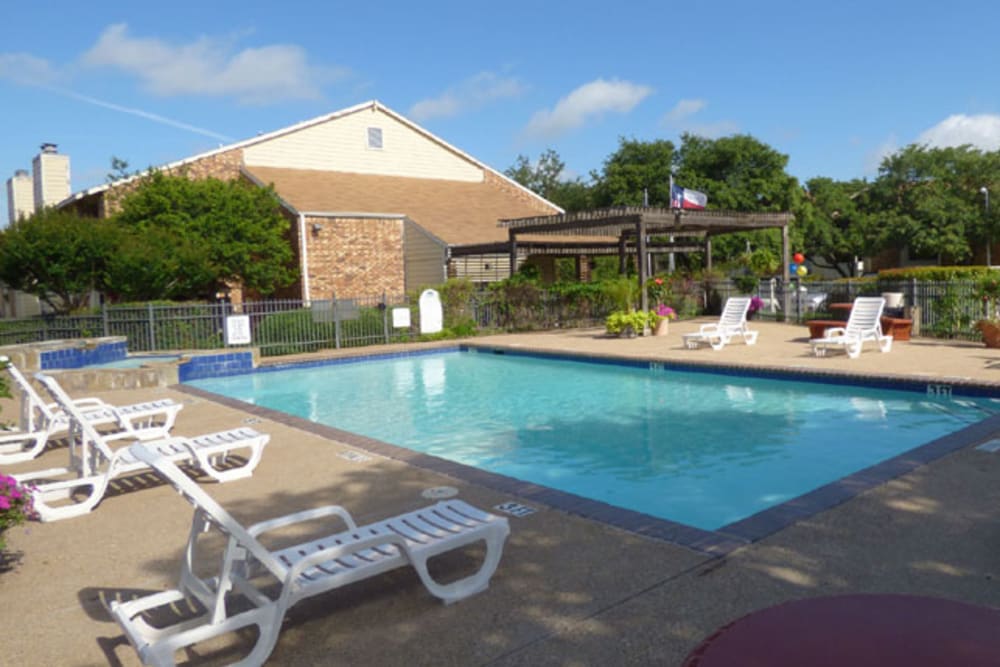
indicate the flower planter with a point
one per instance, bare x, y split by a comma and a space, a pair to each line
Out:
662, 328
991, 332
897, 327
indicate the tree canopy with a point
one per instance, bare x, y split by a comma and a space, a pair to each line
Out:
231, 231
546, 178
57, 256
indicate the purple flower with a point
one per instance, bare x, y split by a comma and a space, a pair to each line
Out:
756, 303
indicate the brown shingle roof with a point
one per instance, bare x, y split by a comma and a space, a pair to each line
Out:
458, 213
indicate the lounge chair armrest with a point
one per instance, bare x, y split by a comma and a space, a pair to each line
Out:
339, 550
8, 437
305, 515
709, 328
834, 332
90, 402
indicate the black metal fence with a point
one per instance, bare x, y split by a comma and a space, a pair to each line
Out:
941, 309
277, 327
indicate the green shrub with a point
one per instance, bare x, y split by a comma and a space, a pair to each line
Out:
935, 273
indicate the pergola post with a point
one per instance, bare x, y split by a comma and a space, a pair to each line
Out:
622, 268
708, 253
512, 235
786, 258
640, 248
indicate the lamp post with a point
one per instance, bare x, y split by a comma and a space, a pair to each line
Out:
989, 236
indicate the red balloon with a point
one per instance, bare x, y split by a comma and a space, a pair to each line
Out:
799, 257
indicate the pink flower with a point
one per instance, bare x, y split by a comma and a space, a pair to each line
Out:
666, 311
4, 503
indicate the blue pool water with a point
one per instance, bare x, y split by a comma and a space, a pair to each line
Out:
701, 449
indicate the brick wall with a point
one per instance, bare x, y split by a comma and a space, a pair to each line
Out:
355, 256
224, 166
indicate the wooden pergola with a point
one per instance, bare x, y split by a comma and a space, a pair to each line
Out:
687, 231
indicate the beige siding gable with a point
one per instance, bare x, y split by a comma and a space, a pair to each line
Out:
341, 144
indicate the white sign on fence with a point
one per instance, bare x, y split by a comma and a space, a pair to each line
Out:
401, 318
238, 330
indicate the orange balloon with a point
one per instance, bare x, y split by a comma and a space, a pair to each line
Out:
799, 257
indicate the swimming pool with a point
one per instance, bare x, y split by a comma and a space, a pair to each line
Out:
697, 448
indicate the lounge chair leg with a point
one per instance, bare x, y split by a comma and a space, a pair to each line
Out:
474, 583
210, 464
42, 496
16, 452
157, 646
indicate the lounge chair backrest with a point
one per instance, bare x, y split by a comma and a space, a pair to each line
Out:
865, 315
206, 504
87, 428
31, 398
734, 314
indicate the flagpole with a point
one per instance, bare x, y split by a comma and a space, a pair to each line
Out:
670, 256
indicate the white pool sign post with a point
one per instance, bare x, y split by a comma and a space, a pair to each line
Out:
431, 315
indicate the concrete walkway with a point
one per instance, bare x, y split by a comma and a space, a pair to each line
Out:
569, 591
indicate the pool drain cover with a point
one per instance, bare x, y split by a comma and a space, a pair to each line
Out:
438, 492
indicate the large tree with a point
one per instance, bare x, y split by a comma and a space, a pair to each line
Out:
636, 169
834, 224
739, 173
547, 179
235, 227
57, 256
929, 200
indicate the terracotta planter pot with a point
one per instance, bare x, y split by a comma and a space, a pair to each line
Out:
662, 328
991, 332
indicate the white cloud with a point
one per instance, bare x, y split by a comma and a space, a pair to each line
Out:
981, 131
25, 69
683, 109
591, 100
680, 118
473, 93
874, 157
209, 66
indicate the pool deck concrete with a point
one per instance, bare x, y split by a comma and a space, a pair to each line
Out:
569, 591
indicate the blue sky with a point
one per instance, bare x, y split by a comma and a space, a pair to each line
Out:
835, 86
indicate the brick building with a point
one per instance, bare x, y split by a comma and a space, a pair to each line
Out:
375, 203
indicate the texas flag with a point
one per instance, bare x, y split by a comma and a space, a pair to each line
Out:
688, 199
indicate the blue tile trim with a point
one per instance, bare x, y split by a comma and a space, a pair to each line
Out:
215, 365
78, 357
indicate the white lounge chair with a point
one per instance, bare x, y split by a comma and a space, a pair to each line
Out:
93, 462
303, 570
732, 322
40, 420
864, 324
